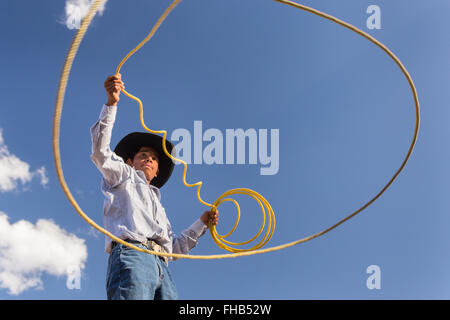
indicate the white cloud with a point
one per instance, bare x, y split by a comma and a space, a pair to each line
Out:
76, 10
13, 170
28, 250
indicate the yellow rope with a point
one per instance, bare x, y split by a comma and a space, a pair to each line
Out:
219, 239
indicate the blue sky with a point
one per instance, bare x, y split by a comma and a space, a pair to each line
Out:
345, 117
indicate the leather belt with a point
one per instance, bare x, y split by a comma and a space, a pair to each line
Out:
149, 245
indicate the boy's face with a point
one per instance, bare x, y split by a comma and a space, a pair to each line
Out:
146, 160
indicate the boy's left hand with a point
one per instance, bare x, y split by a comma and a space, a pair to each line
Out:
208, 216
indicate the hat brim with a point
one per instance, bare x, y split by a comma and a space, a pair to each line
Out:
131, 144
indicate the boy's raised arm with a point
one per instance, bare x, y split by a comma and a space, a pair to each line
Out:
112, 167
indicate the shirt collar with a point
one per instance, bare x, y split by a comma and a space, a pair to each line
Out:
155, 189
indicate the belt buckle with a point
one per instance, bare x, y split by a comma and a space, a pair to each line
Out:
153, 246
148, 244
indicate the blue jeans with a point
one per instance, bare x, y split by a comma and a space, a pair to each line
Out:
134, 275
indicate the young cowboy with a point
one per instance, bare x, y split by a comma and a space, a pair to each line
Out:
132, 177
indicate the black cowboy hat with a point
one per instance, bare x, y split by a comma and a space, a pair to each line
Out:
130, 145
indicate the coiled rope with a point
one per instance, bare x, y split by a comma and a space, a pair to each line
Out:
219, 239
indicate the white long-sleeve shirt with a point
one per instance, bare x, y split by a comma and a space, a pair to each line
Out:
132, 208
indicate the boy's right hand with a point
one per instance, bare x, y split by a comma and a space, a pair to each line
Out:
113, 86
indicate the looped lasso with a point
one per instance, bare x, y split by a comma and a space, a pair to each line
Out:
219, 239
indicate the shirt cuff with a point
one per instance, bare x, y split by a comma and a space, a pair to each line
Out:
108, 114
198, 228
